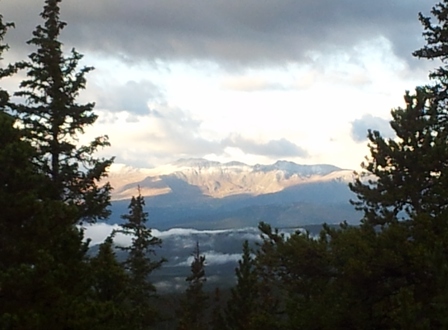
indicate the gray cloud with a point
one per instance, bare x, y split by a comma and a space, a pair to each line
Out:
227, 32
131, 97
366, 122
173, 131
177, 132
273, 148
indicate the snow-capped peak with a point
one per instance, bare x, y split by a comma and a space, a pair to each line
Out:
217, 179
291, 168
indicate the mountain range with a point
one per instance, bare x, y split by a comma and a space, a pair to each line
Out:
203, 194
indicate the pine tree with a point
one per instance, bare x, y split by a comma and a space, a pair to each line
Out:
217, 321
436, 47
8, 70
291, 271
408, 196
410, 172
44, 275
12, 177
23, 211
53, 120
140, 264
193, 306
110, 287
242, 306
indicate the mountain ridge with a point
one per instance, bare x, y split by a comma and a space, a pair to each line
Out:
204, 194
219, 180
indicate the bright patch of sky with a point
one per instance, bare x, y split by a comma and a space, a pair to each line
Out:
312, 105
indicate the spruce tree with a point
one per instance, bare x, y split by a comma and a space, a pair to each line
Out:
291, 271
5, 71
44, 278
193, 306
43, 273
408, 195
140, 264
409, 172
53, 120
243, 305
435, 34
217, 321
110, 286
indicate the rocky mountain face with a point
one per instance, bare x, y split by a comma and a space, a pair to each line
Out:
219, 180
206, 194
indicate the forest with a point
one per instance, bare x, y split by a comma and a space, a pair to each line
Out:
390, 272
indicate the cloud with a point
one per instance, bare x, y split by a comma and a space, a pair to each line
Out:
173, 284
176, 131
226, 32
361, 126
168, 131
176, 232
98, 232
132, 97
273, 148
163, 133
250, 84
214, 258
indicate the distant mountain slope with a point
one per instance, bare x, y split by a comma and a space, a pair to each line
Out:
207, 195
220, 180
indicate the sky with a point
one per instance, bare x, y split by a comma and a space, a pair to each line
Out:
252, 80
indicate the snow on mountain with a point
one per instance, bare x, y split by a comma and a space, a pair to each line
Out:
121, 174
293, 168
220, 180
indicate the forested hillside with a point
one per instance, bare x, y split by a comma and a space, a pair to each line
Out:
390, 272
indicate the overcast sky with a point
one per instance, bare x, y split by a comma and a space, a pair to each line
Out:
250, 80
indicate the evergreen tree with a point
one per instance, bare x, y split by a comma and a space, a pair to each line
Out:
243, 305
193, 306
410, 172
372, 279
43, 273
4, 71
291, 271
410, 183
348, 278
217, 321
436, 38
140, 264
53, 120
41, 263
110, 288
12, 177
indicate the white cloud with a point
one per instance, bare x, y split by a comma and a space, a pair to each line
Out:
214, 258
250, 84
98, 232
